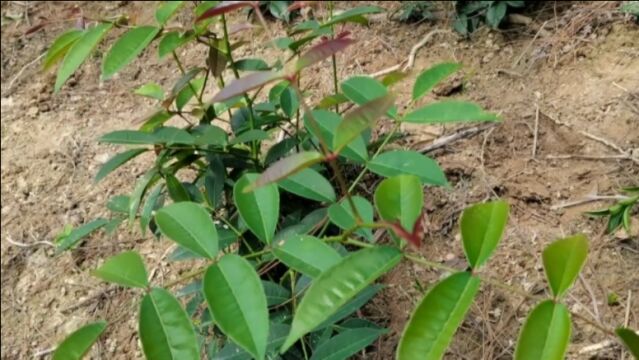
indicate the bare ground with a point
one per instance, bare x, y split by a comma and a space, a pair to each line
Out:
50, 155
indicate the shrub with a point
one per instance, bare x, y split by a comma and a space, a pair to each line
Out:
288, 257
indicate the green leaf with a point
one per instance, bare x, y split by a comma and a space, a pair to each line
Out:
362, 89
172, 41
150, 205
449, 111
146, 180
248, 136
352, 306
336, 286
236, 299
187, 93
306, 254
189, 225
78, 343
166, 332
545, 334
76, 235
125, 269
275, 293
127, 48
360, 119
156, 119
117, 161
630, 339
435, 320
177, 191
352, 15
210, 135
60, 47
563, 260
289, 102
332, 100
309, 184
397, 162
342, 215
251, 65
170, 135
78, 52
347, 343
285, 167
166, 10
400, 198
496, 13
119, 204
427, 80
482, 227
327, 124
260, 208
151, 90
277, 335
129, 137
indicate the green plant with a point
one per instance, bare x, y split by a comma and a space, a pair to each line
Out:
470, 14
288, 259
619, 213
415, 11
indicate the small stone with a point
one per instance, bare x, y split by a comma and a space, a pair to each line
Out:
102, 158
33, 111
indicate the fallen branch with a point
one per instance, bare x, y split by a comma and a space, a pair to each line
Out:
410, 60
588, 199
461, 134
25, 245
593, 157
22, 70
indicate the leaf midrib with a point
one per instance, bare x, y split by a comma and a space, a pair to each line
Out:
245, 322
191, 234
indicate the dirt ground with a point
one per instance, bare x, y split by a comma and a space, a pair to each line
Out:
578, 92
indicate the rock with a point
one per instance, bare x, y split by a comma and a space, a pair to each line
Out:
33, 111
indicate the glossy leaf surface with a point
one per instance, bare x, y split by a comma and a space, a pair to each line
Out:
125, 269
259, 208
166, 332
437, 317
545, 334
78, 343
235, 296
336, 286
189, 225
397, 162
482, 227
306, 254
563, 260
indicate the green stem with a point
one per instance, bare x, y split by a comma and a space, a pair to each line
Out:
379, 150
249, 102
508, 288
185, 277
179, 64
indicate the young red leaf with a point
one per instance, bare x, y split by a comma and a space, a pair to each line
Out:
223, 8
247, 83
322, 51
286, 167
359, 120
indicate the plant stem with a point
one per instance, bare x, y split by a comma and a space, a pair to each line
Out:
249, 102
185, 277
508, 288
179, 64
333, 58
379, 150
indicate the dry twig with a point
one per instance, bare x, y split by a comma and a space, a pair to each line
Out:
460, 134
